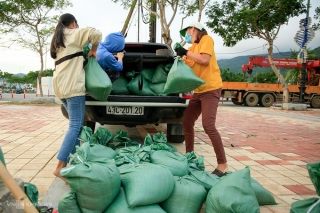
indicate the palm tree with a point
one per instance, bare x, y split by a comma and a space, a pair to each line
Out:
293, 75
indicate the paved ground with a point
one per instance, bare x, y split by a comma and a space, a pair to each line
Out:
276, 144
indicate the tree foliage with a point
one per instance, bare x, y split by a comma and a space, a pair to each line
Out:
236, 20
316, 24
230, 76
28, 24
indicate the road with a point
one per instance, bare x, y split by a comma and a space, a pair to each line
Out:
18, 97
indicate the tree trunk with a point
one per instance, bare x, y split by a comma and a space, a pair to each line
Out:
278, 74
41, 62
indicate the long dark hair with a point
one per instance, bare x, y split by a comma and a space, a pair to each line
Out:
58, 37
200, 35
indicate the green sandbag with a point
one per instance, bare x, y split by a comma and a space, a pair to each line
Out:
102, 136
31, 191
174, 161
181, 79
2, 157
147, 74
140, 86
314, 173
68, 203
86, 134
120, 205
311, 205
96, 184
98, 83
233, 194
146, 183
160, 75
157, 88
100, 153
206, 179
264, 197
187, 196
119, 86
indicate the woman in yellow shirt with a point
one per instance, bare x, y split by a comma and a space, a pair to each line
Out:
202, 60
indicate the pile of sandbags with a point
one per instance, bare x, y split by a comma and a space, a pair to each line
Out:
112, 174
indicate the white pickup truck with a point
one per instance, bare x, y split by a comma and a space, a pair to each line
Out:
131, 110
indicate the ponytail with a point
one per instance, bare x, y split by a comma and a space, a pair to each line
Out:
58, 37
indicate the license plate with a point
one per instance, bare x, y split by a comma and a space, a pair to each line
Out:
125, 110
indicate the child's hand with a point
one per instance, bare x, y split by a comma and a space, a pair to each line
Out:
120, 55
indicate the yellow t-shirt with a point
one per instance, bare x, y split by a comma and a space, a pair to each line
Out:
209, 73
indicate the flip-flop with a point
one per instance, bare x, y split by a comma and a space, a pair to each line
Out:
218, 173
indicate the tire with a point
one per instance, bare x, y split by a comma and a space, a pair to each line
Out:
235, 101
315, 102
267, 100
64, 111
174, 138
251, 99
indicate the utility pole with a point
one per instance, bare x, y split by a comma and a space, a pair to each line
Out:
302, 38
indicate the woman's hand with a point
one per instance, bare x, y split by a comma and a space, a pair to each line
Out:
92, 53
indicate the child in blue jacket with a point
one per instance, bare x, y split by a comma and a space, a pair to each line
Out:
113, 43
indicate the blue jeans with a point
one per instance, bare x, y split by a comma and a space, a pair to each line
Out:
75, 107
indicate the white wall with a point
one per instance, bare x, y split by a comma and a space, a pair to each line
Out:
46, 86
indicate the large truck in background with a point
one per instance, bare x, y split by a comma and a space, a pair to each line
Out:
265, 94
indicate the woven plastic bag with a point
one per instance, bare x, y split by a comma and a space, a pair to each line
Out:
31, 191
311, 205
181, 78
96, 183
68, 203
174, 161
146, 183
98, 83
234, 194
120, 205
119, 86
140, 86
187, 196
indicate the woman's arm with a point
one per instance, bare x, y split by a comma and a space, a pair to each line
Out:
201, 58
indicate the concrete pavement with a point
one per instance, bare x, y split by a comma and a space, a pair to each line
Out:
276, 144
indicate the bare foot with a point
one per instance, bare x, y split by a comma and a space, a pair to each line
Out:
57, 174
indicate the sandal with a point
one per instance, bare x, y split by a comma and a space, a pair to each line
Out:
218, 173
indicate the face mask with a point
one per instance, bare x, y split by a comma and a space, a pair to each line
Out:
187, 38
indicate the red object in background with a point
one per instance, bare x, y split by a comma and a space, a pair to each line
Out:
55, 211
12, 94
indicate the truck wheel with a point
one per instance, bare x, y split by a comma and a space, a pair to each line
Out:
235, 101
175, 133
315, 102
90, 124
64, 111
251, 99
267, 100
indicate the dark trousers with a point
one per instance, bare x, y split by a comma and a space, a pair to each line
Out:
207, 104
